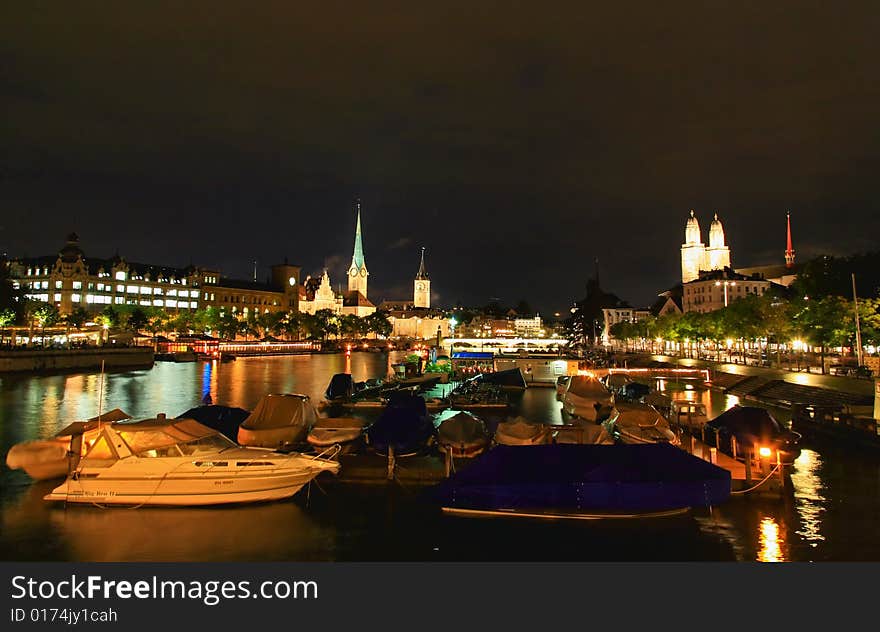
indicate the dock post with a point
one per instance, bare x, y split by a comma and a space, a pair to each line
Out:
733, 446
748, 467
713, 456
703, 433
691, 442
390, 463
447, 461
781, 469
717, 441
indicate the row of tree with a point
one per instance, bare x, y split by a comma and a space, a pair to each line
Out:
768, 321
287, 325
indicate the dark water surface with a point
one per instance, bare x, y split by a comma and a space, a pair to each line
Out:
834, 514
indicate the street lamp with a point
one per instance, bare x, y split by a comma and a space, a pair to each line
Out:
726, 283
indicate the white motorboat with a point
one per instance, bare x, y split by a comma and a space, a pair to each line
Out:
56, 457
586, 397
180, 462
279, 420
640, 423
582, 432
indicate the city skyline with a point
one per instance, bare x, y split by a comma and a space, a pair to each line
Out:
516, 148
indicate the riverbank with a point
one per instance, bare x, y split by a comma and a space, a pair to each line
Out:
62, 360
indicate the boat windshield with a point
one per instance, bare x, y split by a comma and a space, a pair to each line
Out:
158, 444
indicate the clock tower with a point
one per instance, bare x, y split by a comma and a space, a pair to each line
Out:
422, 286
357, 271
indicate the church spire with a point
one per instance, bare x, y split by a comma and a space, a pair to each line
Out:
357, 258
422, 274
789, 249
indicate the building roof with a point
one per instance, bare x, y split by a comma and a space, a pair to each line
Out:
357, 259
422, 274
775, 271
238, 284
353, 298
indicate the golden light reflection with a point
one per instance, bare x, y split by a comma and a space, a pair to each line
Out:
769, 542
808, 496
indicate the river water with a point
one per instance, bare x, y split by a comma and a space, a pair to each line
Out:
834, 514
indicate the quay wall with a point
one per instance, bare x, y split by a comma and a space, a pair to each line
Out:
75, 359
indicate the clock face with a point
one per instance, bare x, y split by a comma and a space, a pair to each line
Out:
292, 281
364, 273
420, 286
353, 271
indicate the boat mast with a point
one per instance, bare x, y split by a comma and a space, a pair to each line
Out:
858, 327
101, 396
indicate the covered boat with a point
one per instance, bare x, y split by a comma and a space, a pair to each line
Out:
639, 423
278, 421
57, 456
461, 434
521, 431
509, 379
582, 432
342, 431
587, 398
224, 419
341, 387
584, 481
180, 462
753, 428
403, 426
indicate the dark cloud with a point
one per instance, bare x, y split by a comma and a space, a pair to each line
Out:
516, 143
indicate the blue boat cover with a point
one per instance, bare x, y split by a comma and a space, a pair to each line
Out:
586, 478
223, 419
341, 387
404, 424
749, 424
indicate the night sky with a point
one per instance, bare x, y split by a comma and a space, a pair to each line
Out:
516, 145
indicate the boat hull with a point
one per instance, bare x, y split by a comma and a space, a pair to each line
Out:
41, 460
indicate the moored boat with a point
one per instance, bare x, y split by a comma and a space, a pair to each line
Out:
56, 457
345, 432
180, 462
404, 426
584, 482
639, 423
587, 398
224, 419
582, 432
278, 421
461, 434
756, 429
521, 431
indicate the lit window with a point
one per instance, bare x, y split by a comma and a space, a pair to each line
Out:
157, 302
194, 294
172, 292
157, 290
90, 299
183, 293
77, 285
45, 285
75, 298
145, 303
146, 290
100, 287
57, 285
118, 300
171, 302
120, 276
57, 298
30, 270
131, 289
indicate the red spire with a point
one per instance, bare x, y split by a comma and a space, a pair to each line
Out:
789, 250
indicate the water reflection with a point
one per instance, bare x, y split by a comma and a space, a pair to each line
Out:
808, 496
769, 541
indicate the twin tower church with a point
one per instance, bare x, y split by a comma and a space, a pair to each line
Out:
320, 294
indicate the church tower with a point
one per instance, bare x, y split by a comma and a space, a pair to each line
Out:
693, 251
718, 254
789, 248
422, 286
357, 273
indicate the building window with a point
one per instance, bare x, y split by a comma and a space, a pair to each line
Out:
146, 290
157, 290
77, 285
119, 300
45, 285
157, 302
57, 285
184, 293
171, 302
172, 292
75, 298
120, 276
57, 298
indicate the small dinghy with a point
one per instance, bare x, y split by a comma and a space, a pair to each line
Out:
461, 434
279, 420
56, 457
342, 431
403, 426
224, 419
520, 431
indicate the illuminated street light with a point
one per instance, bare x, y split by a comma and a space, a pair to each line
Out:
726, 283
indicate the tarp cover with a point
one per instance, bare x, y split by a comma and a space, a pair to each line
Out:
510, 378
589, 388
521, 431
225, 419
341, 387
280, 411
462, 428
632, 478
748, 424
403, 425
